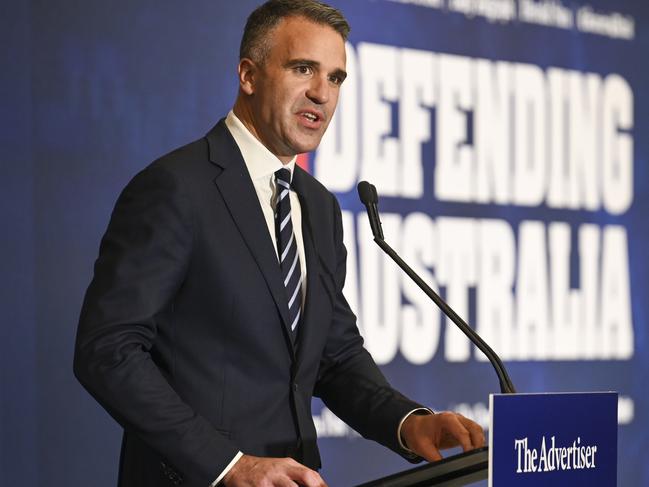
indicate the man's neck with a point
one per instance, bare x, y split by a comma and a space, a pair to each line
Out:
245, 117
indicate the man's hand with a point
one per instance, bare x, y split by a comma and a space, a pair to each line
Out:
252, 471
427, 434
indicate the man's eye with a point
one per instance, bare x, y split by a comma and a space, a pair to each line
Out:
303, 69
337, 80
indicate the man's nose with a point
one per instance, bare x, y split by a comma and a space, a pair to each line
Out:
318, 91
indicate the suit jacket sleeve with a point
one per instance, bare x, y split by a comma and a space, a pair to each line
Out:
143, 258
350, 383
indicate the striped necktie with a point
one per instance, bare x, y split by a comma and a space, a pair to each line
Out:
289, 258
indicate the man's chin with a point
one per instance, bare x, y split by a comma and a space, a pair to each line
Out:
303, 146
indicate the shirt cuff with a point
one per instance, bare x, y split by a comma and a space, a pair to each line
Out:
420, 411
227, 469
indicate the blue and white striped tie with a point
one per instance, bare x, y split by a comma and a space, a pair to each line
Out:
289, 258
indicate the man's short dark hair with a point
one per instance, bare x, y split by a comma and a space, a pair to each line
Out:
254, 43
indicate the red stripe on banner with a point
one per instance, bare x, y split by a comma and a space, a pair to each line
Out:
303, 162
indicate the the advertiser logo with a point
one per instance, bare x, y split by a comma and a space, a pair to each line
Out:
550, 457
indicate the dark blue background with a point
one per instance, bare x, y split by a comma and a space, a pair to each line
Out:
93, 91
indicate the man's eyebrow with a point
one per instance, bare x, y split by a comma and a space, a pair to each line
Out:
342, 74
291, 63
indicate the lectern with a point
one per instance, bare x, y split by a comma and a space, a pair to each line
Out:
536, 440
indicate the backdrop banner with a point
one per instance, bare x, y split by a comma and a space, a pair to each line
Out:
508, 143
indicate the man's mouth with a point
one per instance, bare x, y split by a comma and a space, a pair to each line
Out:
312, 117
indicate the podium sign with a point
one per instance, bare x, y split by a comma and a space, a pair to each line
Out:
553, 439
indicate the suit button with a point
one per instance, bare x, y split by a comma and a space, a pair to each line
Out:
294, 386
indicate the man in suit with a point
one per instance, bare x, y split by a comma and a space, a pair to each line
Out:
216, 309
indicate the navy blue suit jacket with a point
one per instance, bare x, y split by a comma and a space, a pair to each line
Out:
183, 335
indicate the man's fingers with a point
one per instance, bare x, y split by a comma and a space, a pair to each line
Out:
431, 454
427, 435
285, 483
477, 435
427, 450
252, 471
425, 446
452, 432
462, 435
304, 476
463, 432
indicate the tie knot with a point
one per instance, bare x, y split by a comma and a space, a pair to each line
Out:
283, 176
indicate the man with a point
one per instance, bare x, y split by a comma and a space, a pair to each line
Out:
216, 310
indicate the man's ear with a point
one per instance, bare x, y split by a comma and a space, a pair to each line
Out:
247, 75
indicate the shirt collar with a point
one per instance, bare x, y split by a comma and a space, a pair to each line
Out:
261, 162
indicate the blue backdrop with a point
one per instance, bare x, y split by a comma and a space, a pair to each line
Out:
507, 138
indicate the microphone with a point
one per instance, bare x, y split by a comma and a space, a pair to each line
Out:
369, 197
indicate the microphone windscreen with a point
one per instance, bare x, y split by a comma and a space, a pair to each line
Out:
375, 194
365, 193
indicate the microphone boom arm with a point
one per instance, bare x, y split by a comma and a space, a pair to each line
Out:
369, 197
506, 385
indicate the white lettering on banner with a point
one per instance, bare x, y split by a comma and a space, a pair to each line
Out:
589, 252
532, 298
615, 308
529, 135
421, 321
456, 270
492, 10
551, 13
453, 177
560, 137
392, 159
379, 90
613, 24
617, 147
417, 71
492, 133
582, 134
495, 301
565, 301
553, 458
597, 168
524, 306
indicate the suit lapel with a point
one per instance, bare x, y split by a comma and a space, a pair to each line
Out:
238, 192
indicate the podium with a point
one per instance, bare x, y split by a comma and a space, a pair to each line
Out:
563, 439
454, 471
542, 440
